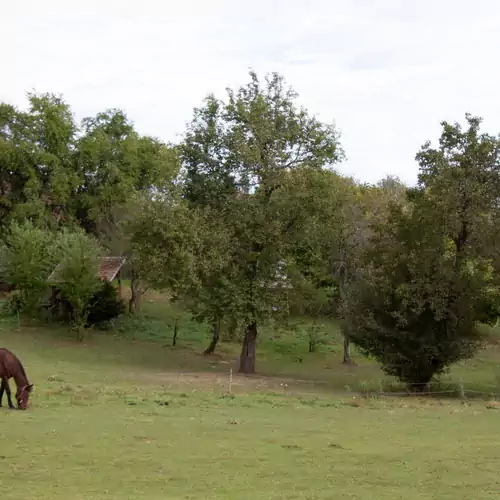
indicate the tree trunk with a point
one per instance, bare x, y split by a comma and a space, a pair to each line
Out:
343, 297
120, 288
312, 347
247, 357
347, 351
176, 330
215, 339
136, 293
80, 333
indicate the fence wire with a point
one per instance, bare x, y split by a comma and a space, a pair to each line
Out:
461, 392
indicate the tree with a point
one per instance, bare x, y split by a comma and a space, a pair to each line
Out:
365, 206
115, 161
76, 275
30, 254
27, 257
162, 235
245, 146
429, 279
315, 201
209, 176
186, 251
209, 183
327, 245
117, 166
344, 251
104, 305
37, 173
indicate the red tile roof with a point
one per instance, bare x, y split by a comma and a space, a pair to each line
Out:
110, 266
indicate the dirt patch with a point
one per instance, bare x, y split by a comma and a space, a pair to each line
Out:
220, 382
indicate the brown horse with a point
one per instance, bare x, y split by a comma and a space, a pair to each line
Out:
11, 367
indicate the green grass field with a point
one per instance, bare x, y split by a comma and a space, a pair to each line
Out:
125, 415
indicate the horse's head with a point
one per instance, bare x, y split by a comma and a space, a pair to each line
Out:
22, 396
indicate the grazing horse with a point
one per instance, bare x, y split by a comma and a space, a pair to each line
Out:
11, 367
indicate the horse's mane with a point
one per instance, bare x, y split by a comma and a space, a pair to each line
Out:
21, 367
22, 370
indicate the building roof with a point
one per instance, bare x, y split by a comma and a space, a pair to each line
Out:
107, 271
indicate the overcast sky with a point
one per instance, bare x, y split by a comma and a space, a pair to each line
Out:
386, 71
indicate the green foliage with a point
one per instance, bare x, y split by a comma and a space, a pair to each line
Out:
208, 175
162, 235
428, 279
115, 163
37, 171
316, 201
245, 223
27, 257
237, 157
76, 275
121, 172
413, 314
14, 305
104, 305
317, 336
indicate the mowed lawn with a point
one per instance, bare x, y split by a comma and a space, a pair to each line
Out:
115, 419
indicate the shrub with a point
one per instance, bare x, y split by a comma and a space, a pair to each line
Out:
104, 305
14, 304
27, 257
416, 311
76, 276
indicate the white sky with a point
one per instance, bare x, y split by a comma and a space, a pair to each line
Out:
387, 71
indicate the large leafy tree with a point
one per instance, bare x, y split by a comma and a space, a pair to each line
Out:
209, 176
37, 173
119, 169
429, 278
237, 155
364, 207
27, 257
30, 255
77, 278
115, 162
328, 246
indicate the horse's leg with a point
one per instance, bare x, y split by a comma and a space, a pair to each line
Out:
7, 390
2, 389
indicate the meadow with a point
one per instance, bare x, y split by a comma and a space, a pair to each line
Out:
126, 415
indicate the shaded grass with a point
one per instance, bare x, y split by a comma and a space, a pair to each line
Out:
283, 352
144, 340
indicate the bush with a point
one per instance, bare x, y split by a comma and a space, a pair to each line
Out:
412, 344
416, 312
77, 279
27, 257
316, 336
104, 305
14, 304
